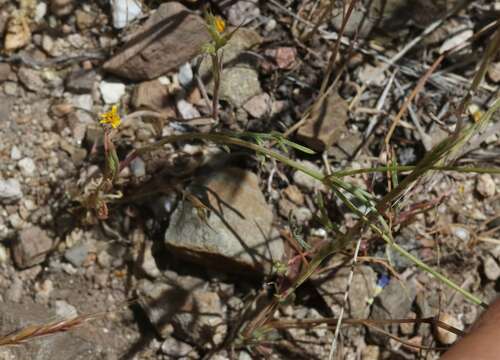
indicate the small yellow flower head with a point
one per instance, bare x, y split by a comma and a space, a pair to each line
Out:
111, 117
219, 24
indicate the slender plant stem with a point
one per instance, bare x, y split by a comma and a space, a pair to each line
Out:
403, 168
344, 240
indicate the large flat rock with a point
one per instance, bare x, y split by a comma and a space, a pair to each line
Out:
236, 235
169, 38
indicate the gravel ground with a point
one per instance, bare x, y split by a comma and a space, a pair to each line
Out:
189, 246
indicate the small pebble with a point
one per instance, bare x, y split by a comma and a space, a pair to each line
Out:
15, 153
371, 75
258, 106
124, 12
370, 352
270, 25
43, 291
112, 91
3, 255
65, 310
149, 263
491, 268
27, 167
40, 11
486, 185
31, 247
15, 291
10, 190
187, 110
305, 181
461, 233
10, 88
104, 259
494, 71
175, 348
61, 7
138, 167
84, 102
185, 75
77, 254
244, 356
446, 337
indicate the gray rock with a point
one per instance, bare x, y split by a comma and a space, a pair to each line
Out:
240, 80
81, 343
325, 125
444, 336
259, 106
4, 256
176, 349
461, 233
237, 232
81, 81
370, 352
407, 156
138, 167
10, 191
148, 264
31, 247
346, 146
43, 291
301, 214
77, 254
195, 314
362, 290
65, 310
85, 20
243, 12
15, 153
32, 79
10, 88
166, 32
486, 185
111, 91
369, 74
427, 304
124, 12
104, 259
5, 72
27, 167
491, 268
493, 72
187, 110
408, 328
394, 302
15, 291
305, 181
40, 11
185, 75
238, 85
152, 95
61, 8
6, 103
84, 102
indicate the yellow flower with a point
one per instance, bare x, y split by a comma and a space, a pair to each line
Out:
111, 117
220, 24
